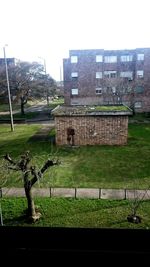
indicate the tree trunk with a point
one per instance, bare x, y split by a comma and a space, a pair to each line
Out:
31, 207
31, 211
22, 108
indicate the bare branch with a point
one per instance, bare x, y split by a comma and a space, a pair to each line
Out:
13, 168
48, 164
8, 158
24, 162
38, 175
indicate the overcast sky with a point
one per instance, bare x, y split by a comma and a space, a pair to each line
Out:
50, 28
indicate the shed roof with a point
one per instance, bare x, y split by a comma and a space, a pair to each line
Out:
108, 110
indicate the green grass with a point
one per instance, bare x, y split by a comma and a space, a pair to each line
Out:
76, 213
5, 107
140, 117
54, 103
16, 142
52, 132
89, 166
108, 108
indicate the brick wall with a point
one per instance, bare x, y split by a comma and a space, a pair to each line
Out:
93, 130
87, 82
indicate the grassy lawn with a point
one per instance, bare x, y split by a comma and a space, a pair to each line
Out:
140, 117
5, 107
89, 166
76, 213
54, 103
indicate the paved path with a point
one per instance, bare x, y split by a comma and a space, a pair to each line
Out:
91, 193
39, 106
43, 134
43, 114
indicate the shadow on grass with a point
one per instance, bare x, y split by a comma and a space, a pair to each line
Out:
118, 223
15, 221
20, 220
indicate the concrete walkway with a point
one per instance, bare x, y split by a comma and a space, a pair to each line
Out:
42, 110
91, 193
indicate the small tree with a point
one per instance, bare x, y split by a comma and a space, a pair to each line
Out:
43, 86
134, 205
28, 170
119, 90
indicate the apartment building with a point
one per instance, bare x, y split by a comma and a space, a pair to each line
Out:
102, 77
10, 61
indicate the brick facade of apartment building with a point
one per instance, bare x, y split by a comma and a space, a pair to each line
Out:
101, 77
10, 61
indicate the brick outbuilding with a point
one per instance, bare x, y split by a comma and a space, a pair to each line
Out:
91, 125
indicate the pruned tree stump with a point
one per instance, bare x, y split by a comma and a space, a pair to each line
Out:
23, 165
35, 218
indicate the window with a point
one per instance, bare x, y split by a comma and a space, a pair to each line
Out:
114, 89
99, 75
110, 59
138, 104
74, 59
110, 74
126, 58
129, 89
74, 91
99, 58
139, 89
140, 56
74, 75
126, 74
140, 73
98, 91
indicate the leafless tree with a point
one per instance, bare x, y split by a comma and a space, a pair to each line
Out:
28, 170
26, 80
134, 206
119, 90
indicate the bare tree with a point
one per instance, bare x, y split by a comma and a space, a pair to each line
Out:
28, 170
26, 79
44, 86
119, 90
134, 206
126, 89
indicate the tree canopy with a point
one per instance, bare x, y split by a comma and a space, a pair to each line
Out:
26, 80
